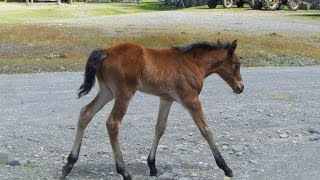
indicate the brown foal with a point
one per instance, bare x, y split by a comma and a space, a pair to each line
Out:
174, 74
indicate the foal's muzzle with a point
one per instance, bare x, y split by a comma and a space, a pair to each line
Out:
239, 88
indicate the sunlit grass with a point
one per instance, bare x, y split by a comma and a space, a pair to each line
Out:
20, 13
34, 51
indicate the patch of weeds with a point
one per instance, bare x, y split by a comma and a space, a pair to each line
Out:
310, 15
30, 165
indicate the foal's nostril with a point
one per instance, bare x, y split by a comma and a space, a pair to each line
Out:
239, 89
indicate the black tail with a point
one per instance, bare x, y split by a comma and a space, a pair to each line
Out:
93, 64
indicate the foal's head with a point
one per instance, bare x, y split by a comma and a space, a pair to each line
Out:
229, 69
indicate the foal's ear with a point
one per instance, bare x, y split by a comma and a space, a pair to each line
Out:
219, 44
232, 47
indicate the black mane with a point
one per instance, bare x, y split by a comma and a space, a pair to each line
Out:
202, 45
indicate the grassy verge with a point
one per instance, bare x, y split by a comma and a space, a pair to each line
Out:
56, 48
309, 15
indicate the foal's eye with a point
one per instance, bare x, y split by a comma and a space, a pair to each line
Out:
237, 65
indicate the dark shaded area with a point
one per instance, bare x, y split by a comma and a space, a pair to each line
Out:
312, 15
155, 6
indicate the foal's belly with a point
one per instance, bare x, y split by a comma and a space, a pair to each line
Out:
159, 89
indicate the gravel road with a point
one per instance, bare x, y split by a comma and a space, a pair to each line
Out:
263, 133
224, 21
248, 22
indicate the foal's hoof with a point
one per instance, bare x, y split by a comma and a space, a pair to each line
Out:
228, 173
66, 170
226, 178
128, 177
153, 171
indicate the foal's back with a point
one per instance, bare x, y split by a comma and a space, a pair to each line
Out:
150, 70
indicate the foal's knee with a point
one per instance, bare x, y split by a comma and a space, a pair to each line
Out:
112, 126
85, 117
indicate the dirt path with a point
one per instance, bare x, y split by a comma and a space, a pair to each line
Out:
262, 133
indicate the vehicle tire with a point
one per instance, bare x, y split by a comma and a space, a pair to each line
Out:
227, 3
270, 4
240, 4
255, 4
212, 4
293, 5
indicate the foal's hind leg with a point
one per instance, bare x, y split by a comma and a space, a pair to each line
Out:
104, 96
113, 124
164, 109
193, 104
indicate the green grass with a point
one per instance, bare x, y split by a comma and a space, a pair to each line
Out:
312, 16
21, 12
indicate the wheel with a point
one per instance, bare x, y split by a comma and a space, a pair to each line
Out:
293, 5
240, 4
212, 4
227, 3
255, 4
270, 4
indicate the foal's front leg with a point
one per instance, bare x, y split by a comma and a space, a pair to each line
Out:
164, 109
193, 105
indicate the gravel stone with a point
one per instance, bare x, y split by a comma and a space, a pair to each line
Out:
184, 178
14, 163
314, 137
239, 153
166, 176
253, 161
237, 148
312, 130
225, 147
162, 147
284, 135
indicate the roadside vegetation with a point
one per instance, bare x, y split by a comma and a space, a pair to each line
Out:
27, 47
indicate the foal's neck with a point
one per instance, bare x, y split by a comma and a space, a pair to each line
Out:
208, 63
